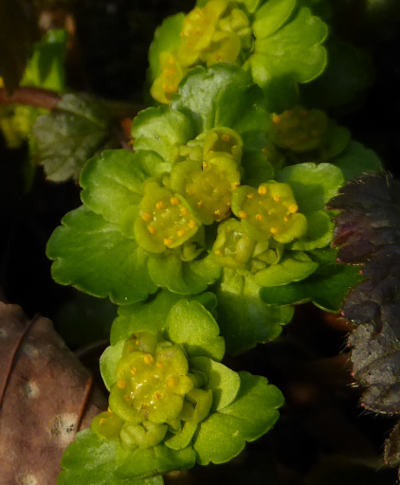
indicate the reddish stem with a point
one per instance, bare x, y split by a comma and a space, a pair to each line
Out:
41, 98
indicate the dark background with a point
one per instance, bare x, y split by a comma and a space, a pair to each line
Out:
323, 436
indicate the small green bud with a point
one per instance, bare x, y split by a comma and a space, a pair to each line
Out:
233, 246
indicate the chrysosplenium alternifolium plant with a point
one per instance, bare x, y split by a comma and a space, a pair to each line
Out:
215, 193
224, 192
172, 403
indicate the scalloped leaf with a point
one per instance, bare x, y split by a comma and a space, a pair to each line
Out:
91, 460
293, 53
150, 316
326, 288
163, 131
185, 278
357, 160
153, 461
112, 186
70, 135
191, 325
313, 185
271, 16
319, 232
243, 317
224, 382
253, 413
217, 96
92, 255
293, 268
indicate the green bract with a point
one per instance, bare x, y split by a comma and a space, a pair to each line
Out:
210, 196
172, 403
278, 41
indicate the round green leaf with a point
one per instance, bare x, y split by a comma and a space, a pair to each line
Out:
112, 186
294, 268
162, 131
271, 16
253, 413
92, 255
319, 232
245, 320
313, 185
223, 381
190, 324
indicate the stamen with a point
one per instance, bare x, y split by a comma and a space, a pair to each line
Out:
168, 241
174, 201
121, 384
146, 216
151, 230
242, 214
262, 190
148, 359
259, 217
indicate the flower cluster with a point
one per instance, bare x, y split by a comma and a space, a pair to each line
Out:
214, 33
172, 403
273, 39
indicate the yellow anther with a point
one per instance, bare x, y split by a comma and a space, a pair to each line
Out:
101, 420
274, 230
286, 219
276, 198
164, 86
181, 232
133, 371
200, 203
250, 196
109, 410
242, 214
192, 224
293, 208
151, 229
205, 165
276, 118
146, 216
168, 241
121, 384
174, 201
171, 382
262, 190
259, 217
225, 137
137, 342
235, 185
217, 212
148, 359
158, 395
160, 365
218, 252
160, 205
183, 211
